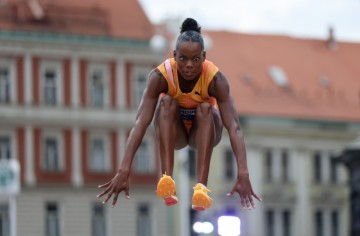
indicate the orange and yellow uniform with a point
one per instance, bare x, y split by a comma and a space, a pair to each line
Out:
189, 101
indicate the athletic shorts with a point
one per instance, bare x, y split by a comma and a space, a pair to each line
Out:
187, 116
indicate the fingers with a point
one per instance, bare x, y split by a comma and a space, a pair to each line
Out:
116, 195
257, 197
231, 193
104, 185
247, 202
103, 193
110, 191
252, 203
127, 195
114, 199
107, 198
242, 201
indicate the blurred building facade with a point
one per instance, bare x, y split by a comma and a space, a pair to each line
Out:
298, 103
71, 77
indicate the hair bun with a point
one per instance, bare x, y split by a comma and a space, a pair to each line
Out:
190, 24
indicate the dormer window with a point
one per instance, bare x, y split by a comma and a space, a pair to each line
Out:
279, 76
325, 81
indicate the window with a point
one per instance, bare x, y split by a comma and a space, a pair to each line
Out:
327, 221
143, 220
284, 165
5, 148
52, 220
278, 76
268, 165
333, 170
319, 224
139, 88
143, 158
98, 220
51, 82
278, 222
140, 79
52, 158
97, 88
286, 223
270, 220
98, 155
98, 77
229, 164
4, 220
50, 87
317, 167
4, 85
7, 80
335, 224
192, 162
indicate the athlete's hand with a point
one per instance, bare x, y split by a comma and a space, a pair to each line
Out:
115, 186
243, 187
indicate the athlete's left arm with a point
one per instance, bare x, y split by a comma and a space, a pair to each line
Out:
219, 88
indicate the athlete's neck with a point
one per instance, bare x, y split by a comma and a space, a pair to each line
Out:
186, 86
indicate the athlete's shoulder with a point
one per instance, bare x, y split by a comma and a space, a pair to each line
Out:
218, 83
157, 80
209, 63
156, 73
209, 70
171, 60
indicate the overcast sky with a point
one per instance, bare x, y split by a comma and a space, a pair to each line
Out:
299, 18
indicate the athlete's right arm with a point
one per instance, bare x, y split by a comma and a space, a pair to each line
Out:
156, 85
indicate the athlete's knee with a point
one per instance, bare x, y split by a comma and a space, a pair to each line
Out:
167, 103
204, 111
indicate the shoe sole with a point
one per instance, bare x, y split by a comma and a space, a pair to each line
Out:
197, 208
170, 201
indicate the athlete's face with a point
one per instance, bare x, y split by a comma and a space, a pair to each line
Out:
189, 58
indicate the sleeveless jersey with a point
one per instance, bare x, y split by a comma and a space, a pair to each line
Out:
199, 94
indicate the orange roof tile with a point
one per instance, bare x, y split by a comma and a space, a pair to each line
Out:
122, 19
305, 62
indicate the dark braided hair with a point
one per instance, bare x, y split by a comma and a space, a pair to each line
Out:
190, 31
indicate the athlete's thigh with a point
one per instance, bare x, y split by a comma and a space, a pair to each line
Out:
218, 127
181, 135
